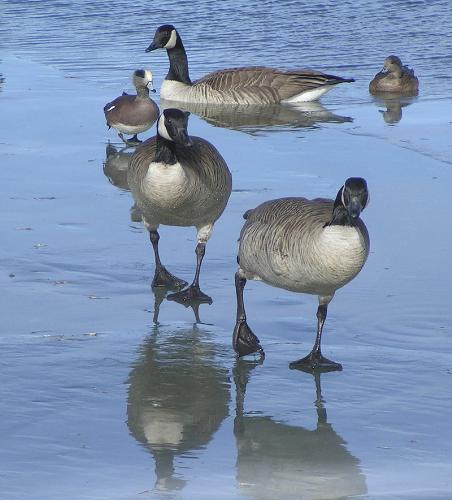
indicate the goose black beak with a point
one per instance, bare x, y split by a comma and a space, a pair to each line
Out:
184, 139
354, 208
152, 47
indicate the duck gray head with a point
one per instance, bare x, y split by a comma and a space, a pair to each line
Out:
172, 126
165, 37
142, 78
351, 200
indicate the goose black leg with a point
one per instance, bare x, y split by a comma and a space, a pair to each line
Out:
315, 360
193, 292
243, 339
162, 277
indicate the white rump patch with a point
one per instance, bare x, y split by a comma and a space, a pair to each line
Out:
309, 95
171, 43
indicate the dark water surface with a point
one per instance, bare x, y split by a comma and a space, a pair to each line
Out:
98, 402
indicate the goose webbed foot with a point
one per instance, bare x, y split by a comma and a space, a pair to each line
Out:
244, 341
163, 278
314, 361
192, 294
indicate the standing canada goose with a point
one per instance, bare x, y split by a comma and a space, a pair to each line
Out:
133, 114
178, 180
306, 246
250, 85
395, 78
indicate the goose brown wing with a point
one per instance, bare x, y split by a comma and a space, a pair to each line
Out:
273, 83
273, 210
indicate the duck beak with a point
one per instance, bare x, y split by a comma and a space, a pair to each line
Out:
152, 47
151, 87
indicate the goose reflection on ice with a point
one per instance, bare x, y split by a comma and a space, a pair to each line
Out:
177, 399
393, 104
252, 119
277, 460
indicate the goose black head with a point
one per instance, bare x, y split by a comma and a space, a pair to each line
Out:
355, 196
351, 200
172, 126
165, 37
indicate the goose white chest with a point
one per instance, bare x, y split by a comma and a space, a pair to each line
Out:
165, 185
175, 91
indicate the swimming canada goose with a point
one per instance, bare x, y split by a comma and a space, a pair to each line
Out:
249, 85
306, 246
179, 180
395, 78
133, 114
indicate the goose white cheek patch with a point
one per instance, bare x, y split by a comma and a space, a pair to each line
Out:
171, 43
162, 129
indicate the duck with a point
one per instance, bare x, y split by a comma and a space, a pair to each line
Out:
179, 180
256, 85
305, 246
394, 78
133, 114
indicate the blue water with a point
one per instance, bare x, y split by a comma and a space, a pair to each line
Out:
96, 401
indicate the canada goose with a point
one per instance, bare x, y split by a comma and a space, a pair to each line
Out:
133, 114
306, 246
178, 180
395, 78
249, 85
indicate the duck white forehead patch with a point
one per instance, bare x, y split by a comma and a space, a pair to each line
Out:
171, 43
162, 128
148, 75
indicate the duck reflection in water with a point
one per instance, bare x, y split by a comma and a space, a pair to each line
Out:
277, 460
253, 119
115, 170
177, 399
393, 104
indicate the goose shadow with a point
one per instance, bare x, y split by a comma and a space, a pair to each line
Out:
393, 104
178, 397
253, 119
277, 460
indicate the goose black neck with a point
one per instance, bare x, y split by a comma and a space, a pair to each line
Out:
178, 63
165, 151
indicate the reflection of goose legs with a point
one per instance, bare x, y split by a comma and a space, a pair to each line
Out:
162, 276
160, 295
